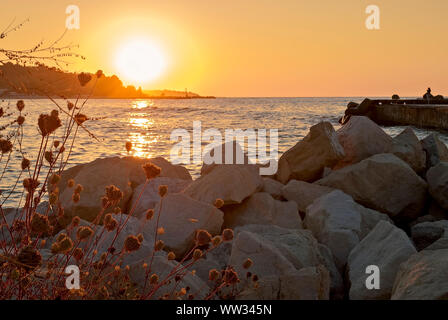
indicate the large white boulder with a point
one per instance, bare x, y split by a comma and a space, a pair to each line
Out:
308, 158
382, 182
229, 153
437, 177
146, 196
408, 148
162, 267
304, 193
180, 217
386, 247
261, 208
231, 183
278, 277
125, 173
361, 138
424, 276
340, 223
301, 249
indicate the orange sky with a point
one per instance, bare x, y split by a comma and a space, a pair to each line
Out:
257, 47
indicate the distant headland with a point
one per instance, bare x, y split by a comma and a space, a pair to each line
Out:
40, 81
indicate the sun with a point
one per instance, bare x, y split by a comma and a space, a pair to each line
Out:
140, 61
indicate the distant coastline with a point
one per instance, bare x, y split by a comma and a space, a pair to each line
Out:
34, 82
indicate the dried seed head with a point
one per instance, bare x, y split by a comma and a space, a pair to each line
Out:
99, 74
247, 264
70, 105
55, 178
230, 276
197, 254
171, 255
78, 254
20, 120
76, 197
53, 198
84, 233
154, 279
111, 225
80, 118
149, 214
39, 223
159, 245
160, 230
49, 123
203, 237
5, 146
131, 243
219, 203
227, 235
75, 221
128, 146
56, 143
79, 188
140, 237
70, 183
113, 194
151, 170
216, 241
30, 257
20, 105
84, 78
163, 189
213, 275
25, 163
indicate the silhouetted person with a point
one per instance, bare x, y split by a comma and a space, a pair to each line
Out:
428, 95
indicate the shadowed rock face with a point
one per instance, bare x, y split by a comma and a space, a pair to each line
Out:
437, 178
308, 158
382, 182
408, 148
435, 149
125, 173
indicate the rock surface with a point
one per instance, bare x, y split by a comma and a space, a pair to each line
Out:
337, 222
386, 247
231, 183
308, 158
382, 182
217, 156
273, 187
424, 276
261, 208
125, 173
437, 177
361, 138
278, 278
426, 233
435, 150
408, 148
141, 202
304, 193
180, 217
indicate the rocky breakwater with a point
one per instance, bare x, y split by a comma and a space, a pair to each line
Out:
346, 208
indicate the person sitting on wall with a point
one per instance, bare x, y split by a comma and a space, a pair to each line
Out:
428, 95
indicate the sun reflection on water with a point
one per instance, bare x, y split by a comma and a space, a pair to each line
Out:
140, 134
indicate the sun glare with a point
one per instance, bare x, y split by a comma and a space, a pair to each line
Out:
140, 61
